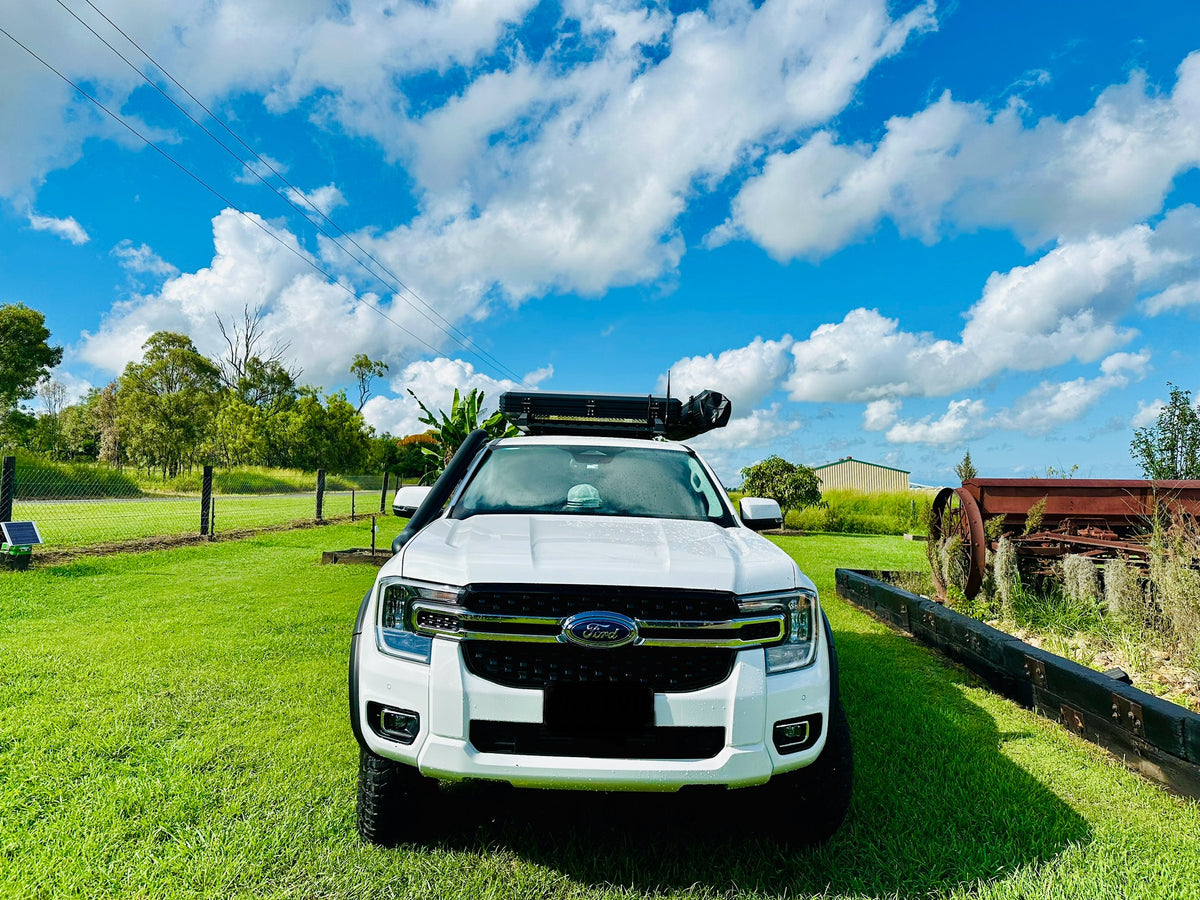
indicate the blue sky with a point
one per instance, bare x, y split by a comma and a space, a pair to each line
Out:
888, 231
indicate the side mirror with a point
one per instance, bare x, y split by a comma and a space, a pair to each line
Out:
759, 513
408, 500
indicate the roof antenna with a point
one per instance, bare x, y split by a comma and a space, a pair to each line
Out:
667, 408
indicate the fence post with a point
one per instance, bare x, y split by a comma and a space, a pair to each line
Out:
351, 504
206, 502
320, 492
383, 495
8, 487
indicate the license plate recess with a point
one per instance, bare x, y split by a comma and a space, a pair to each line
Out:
598, 708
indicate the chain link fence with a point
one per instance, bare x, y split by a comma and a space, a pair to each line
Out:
85, 505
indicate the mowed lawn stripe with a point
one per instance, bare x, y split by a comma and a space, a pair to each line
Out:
173, 724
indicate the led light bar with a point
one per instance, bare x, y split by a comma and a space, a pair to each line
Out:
615, 415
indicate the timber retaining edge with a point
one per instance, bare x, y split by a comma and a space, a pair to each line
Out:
1159, 739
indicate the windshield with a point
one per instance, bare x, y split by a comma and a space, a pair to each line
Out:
592, 481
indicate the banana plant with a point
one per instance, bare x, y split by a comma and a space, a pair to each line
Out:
450, 430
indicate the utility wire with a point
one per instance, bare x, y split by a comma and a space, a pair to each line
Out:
295, 251
425, 309
458, 336
466, 342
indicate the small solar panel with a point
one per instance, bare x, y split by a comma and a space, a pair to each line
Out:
21, 533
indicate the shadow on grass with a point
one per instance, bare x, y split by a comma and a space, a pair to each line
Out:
936, 805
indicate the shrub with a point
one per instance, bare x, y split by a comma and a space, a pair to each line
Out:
1174, 556
257, 480
44, 479
1033, 519
851, 512
993, 528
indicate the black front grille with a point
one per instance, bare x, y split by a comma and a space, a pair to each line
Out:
534, 739
648, 604
536, 665
663, 669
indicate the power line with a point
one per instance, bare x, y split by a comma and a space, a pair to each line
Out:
253, 220
446, 328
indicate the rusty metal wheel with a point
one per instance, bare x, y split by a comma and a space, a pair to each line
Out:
956, 514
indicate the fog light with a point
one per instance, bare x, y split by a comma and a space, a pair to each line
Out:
401, 725
793, 735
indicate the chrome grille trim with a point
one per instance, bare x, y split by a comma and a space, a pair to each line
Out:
727, 633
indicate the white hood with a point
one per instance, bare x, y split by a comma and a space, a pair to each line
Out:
562, 549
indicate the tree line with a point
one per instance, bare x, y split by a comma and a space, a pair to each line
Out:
176, 408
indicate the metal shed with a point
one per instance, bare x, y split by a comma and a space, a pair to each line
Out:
857, 475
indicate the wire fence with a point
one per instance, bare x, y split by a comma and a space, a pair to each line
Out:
88, 505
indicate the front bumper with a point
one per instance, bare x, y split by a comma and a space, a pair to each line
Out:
447, 698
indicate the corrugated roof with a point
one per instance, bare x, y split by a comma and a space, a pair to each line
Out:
862, 461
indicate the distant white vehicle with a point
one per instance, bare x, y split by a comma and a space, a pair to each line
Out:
408, 498
582, 607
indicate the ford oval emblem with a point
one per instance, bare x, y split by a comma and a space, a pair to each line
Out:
599, 629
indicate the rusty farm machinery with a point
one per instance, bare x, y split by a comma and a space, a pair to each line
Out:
1098, 518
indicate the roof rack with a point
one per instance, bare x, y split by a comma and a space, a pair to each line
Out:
615, 415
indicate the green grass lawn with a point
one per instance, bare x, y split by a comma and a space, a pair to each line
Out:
173, 724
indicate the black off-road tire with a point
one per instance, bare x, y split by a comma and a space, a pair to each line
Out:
394, 800
807, 807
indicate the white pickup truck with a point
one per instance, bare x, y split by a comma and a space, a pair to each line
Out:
581, 607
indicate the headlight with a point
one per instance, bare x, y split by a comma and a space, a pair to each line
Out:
394, 631
799, 646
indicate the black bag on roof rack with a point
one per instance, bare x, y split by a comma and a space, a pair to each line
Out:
615, 415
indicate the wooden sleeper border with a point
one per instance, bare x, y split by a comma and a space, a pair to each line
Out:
1159, 739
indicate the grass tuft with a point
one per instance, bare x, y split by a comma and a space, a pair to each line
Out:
1081, 579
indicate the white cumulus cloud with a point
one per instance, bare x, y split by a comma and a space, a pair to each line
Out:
258, 266
746, 375
962, 420
542, 179
67, 229
1070, 304
962, 166
434, 382
142, 259
1036, 413
756, 433
1147, 412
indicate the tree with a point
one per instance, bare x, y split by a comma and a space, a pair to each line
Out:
325, 435
966, 469
365, 370
167, 402
244, 344
792, 486
348, 436
53, 395
266, 385
105, 418
409, 460
1170, 448
244, 433
26, 357
47, 436
80, 435
451, 430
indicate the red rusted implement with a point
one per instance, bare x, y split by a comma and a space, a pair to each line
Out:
1105, 518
